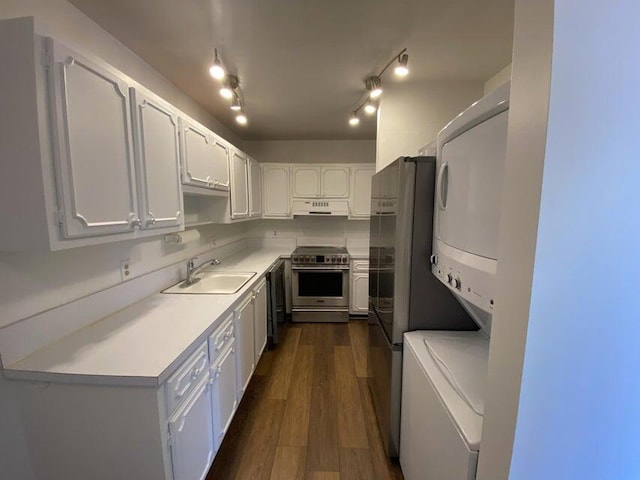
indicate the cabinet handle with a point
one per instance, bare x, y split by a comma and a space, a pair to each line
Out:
195, 373
151, 220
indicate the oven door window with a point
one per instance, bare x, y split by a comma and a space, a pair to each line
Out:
320, 283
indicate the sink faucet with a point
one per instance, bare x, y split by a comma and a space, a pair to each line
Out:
192, 270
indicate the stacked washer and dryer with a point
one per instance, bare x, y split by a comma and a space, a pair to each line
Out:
444, 372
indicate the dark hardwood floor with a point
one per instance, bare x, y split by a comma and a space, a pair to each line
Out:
307, 413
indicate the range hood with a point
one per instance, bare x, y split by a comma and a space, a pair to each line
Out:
321, 208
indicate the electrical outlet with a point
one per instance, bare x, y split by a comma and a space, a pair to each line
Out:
275, 233
125, 269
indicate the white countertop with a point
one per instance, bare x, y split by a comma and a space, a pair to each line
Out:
143, 343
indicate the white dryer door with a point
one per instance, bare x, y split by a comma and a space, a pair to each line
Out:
469, 187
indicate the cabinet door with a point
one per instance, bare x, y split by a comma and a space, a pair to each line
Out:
191, 435
197, 154
335, 182
224, 393
277, 201
255, 192
260, 320
244, 345
157, 162
220, 165
306, 181
93, 146
239, 186
359, 293
361, 191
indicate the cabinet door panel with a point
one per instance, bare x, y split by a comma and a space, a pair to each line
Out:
220, 165
359, 293
244, 346
197, 155
260, 321
224, 393
191, 435
93, 146
361, 191
158, 162
255, 183
277, 201
335, 182
239, 187
306, 181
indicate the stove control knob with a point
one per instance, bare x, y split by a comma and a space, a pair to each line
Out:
296, 258
344, 259
457, 283
449, 279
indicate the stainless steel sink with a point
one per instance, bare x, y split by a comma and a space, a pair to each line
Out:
213, 282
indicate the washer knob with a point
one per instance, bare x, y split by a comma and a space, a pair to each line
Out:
457, 283
449, 278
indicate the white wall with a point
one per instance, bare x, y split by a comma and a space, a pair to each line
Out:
312, 151
518, 232
577, 302
503, 76
411, 114
67, 23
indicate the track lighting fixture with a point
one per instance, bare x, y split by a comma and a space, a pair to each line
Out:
217, 70
373, 85
230, 88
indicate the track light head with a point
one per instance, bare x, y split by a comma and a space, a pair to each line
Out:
241, 118
370, 107
236, 105
374, 85
402, 69
354, 120
217, 70
230, 84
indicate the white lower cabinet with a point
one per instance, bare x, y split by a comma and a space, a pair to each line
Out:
224, 399
245, 343
359, 296
191, 437
260, 320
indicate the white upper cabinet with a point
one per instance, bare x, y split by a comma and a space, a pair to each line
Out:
306, 181
157, 161
335, 182
255, 189
239, 186
220, 164
276, 194
197, 154
316, 181
93, 148
361, 191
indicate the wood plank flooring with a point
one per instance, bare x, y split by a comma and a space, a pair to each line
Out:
307, 413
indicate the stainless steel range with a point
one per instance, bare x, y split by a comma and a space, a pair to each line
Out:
320, 284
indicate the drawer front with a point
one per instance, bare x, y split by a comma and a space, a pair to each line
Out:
222, 337
186, 377
360, 266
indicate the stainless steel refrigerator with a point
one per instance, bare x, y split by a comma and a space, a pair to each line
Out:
403, 293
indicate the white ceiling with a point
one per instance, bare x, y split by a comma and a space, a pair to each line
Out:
302, 63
